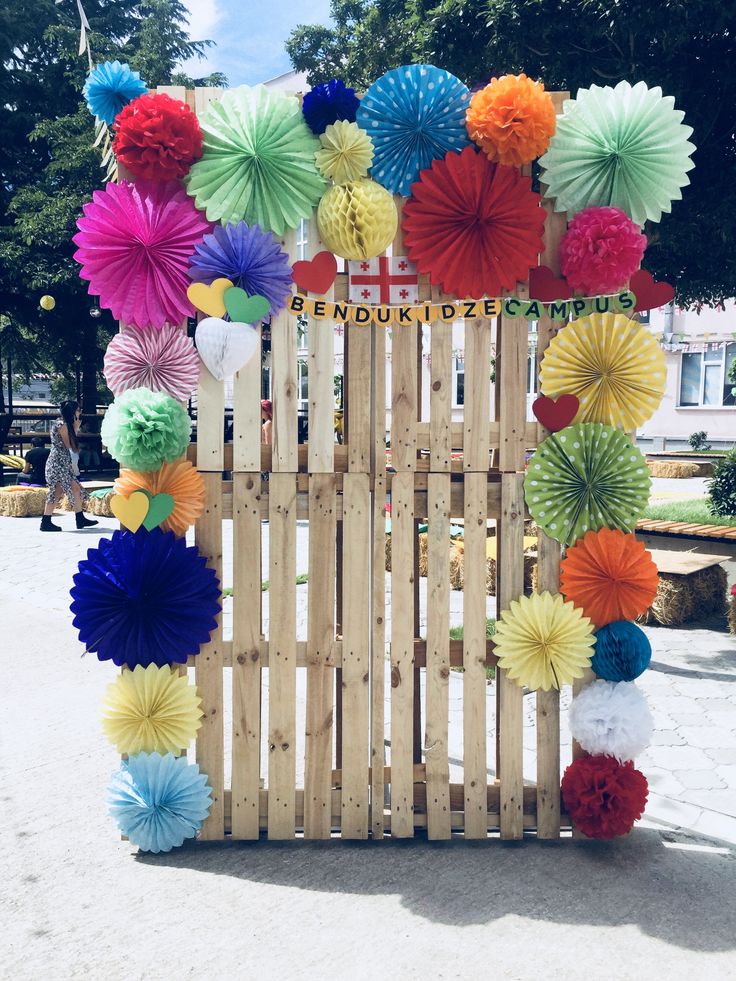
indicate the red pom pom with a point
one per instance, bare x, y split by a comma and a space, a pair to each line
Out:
600, 250
604, 797
157, 137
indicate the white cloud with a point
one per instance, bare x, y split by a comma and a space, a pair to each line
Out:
204, 15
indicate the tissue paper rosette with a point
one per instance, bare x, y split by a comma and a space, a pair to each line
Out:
622, 651
583, 478
624, 147
609, 575
473, 226
180, 480
151, 710
600, 250
144, 598
157, 137
327, 103
109, 87
134, 243
603, 797
357, 220
143, 429
346, 152
543, 642
413, 115
158, 801
612, 719
511, 119
612, 364
258, 161
249, 257
162, 360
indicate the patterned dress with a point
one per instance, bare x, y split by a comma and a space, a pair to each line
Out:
59, 469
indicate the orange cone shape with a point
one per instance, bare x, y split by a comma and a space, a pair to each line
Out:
181, 480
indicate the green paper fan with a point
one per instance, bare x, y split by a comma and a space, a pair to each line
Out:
624, 147
258, 161
586, 477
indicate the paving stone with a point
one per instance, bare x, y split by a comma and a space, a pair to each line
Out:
709, 737
667, 737
721, 756
699, 779
720, 800
676, 758
661, 781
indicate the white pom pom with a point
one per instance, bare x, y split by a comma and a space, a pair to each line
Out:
613, 719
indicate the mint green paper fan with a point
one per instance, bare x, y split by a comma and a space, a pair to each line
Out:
624, 147
258, 161
586, 477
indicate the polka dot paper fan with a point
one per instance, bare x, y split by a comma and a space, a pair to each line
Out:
587, 476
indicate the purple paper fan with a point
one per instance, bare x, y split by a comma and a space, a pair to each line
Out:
249, 257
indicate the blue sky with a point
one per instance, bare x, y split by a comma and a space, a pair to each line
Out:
250, 35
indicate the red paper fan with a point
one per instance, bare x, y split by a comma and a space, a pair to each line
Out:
473, 226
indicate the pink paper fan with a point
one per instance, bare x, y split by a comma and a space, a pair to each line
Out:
162, 360
134, 244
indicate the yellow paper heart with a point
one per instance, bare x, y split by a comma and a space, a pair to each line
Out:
209, 299
130, 511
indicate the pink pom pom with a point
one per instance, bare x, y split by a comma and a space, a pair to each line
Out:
162, 360
600, 250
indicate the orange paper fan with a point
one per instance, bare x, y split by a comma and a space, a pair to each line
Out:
180, 480
512, 119
609, 576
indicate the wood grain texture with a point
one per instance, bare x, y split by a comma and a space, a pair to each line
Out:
440, 399
359, 389
284, 384
476, 442
321, 371
247, 415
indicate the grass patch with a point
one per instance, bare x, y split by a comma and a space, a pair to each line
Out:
456, 633
693, 511
266, 584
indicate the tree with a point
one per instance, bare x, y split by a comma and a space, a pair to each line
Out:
688, 47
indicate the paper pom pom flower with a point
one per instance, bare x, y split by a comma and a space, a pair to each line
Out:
346, 152
602, 797
357, 220
157, 137
583, 478
543, 642
600, 250
134, 243
613, 365
258, 161
473, 226
180, 480
609, 575
144, 599
143, 429
162, 360
159, 801
249, 257
624, 147
413, 115
151, 710
511, 119
109, 87
611, 719
327, 103
622, 651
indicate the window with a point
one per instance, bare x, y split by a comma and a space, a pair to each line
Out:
704, 376
302, 240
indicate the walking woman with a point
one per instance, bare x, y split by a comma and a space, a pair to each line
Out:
62, 468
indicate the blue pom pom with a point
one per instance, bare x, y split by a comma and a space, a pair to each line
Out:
109, 87
622, 651
327, 103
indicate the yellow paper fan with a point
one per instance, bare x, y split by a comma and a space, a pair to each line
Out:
543, 642
613, 365
151, 710
346, 153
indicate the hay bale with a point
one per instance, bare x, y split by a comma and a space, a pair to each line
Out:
100, 506
673, 468
732, 615
684, 598
22, 502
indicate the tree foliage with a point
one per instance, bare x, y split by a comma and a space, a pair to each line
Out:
688, 47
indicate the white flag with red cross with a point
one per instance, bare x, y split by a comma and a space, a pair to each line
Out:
384, 280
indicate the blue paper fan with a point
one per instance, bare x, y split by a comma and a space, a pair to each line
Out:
414, 115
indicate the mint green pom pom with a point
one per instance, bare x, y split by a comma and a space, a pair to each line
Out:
144, 429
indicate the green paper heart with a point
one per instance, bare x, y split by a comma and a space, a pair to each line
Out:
244, 309
159, 508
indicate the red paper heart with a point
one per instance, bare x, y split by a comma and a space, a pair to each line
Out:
648, 293
315, 275
546, 287
556, 414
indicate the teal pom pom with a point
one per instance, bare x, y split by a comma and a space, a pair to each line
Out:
144, 429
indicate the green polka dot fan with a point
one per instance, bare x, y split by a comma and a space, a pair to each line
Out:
586, 477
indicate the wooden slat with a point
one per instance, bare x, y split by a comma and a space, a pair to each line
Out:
355, 655
284, 386
210, 423
321, 370
440, 399
246, 653
404, 399
476, 446
511, 369
378, 577
359, 387
402, 654
282, 665
246, 449
320, 677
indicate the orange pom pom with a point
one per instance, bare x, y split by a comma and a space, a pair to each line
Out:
609, 576
180, 480
512, 119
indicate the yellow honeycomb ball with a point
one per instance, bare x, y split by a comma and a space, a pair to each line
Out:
357, 220
47, 302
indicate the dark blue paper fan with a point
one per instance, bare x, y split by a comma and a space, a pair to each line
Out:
145, 599
328, 102
622, 651
413, 115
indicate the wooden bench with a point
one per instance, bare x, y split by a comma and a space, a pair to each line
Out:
683, 528
692, 586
